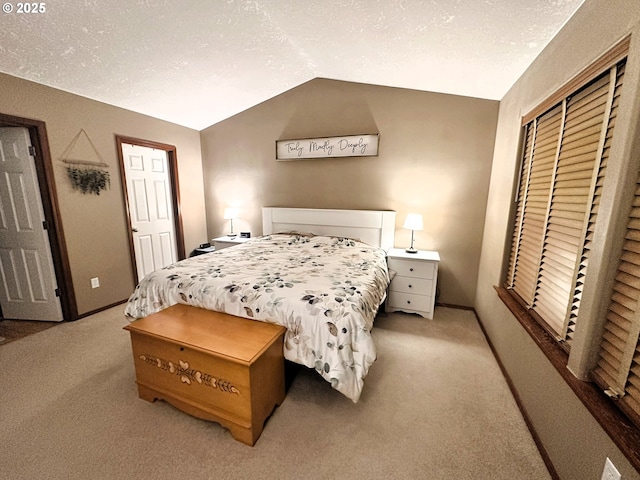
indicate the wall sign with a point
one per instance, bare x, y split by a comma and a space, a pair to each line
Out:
328, 147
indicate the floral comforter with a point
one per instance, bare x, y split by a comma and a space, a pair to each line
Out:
325, 290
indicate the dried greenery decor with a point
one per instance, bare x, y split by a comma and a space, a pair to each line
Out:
86, 175
89, 179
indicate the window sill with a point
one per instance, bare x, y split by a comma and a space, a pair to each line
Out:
623, 433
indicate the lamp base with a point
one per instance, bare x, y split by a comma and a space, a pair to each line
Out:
411, 250
231, 235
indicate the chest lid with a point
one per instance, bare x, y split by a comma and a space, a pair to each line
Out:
209, 331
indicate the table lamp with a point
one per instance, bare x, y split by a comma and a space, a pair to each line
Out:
230, 214
413, 222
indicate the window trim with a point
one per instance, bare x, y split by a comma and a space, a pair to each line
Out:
611, 57
605, 410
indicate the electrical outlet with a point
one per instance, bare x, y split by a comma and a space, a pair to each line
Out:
95, 282
610, 472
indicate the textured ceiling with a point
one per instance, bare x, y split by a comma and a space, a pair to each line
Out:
196, 63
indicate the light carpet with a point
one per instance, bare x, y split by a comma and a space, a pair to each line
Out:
435, 406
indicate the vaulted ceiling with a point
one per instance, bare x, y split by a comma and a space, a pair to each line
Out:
197, 62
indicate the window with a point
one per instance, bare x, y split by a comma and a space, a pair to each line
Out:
564, 161
566, 149
618, 369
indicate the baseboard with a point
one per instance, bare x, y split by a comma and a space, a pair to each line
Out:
101, 309
453, 305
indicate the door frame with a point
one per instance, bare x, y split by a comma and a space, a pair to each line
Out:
172, 160
47, 185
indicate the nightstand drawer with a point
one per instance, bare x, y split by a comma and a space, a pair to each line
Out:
422, 303
412, 268
411, 285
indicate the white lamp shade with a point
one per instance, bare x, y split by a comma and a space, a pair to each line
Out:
230, 213
413, 222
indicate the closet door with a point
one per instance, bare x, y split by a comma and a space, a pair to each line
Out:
28, 287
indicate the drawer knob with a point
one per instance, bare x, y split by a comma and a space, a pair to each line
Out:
410, 286
408, 302
411, 269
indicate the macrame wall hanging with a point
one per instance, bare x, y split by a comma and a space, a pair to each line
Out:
88, 176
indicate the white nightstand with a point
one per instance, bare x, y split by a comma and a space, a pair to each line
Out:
413, 289
224, 242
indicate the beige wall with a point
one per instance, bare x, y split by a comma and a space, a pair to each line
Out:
576, 444
95, 227
434, 158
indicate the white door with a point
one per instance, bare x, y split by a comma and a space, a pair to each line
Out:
150, 207
27, 277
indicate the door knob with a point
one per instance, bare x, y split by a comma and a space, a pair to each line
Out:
134, 230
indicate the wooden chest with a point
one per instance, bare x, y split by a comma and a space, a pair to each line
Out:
211, 365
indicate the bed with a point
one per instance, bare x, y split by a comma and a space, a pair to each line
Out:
321, 274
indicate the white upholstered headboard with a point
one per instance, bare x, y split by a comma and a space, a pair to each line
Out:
375, 227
